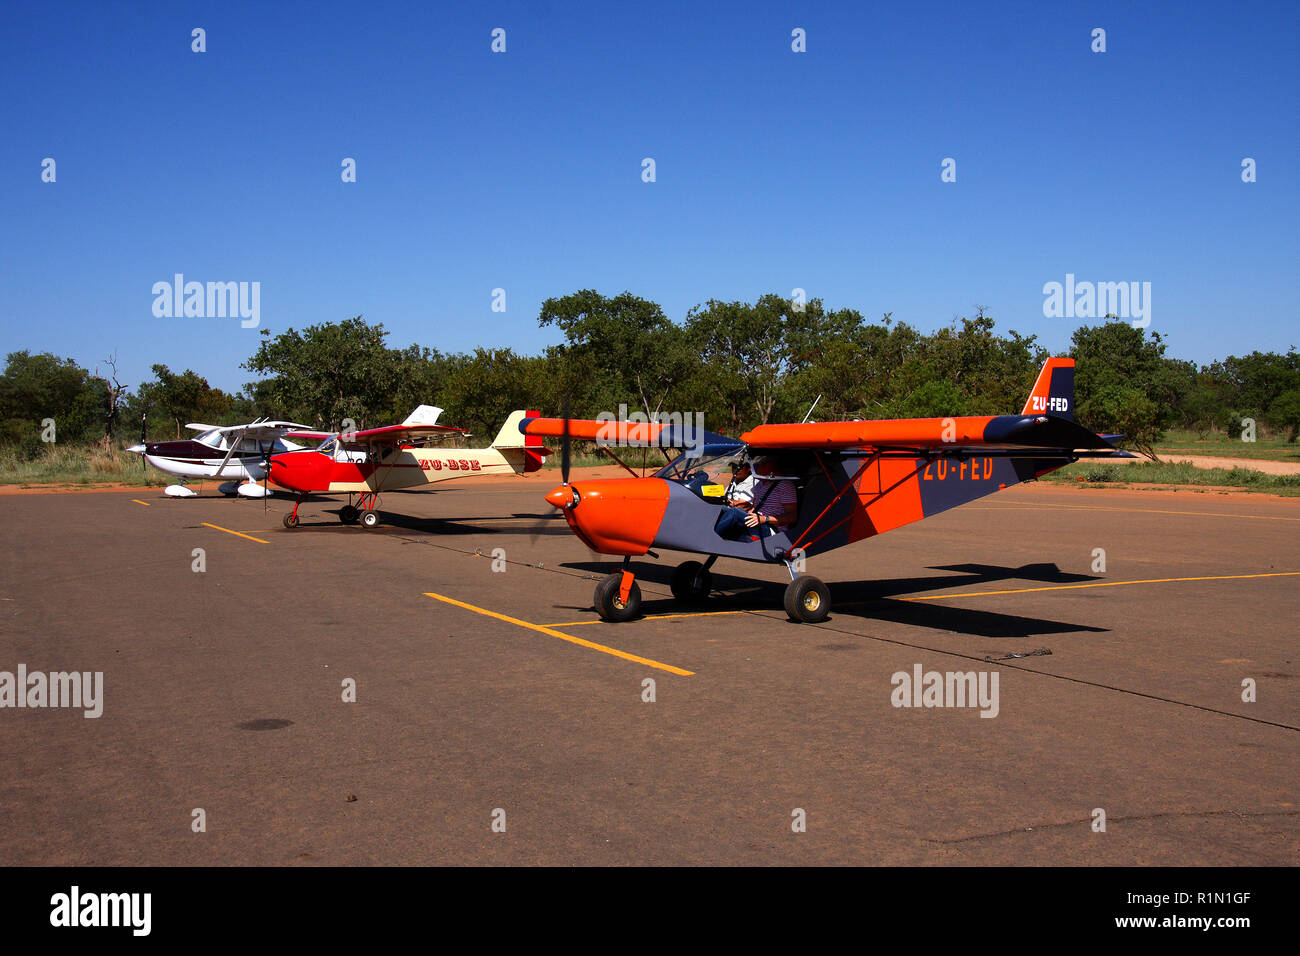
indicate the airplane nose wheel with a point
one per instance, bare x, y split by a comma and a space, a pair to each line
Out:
610, 605
691, 582
807, 600
291, 519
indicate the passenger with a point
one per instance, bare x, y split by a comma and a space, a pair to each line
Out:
775, 505
776, 501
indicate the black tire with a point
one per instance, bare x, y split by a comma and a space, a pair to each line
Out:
807, 600
370, 519
691, 582
291, 521
608, 605
348, 514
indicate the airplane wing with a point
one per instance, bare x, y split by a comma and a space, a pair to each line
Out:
1031, 434
624, 433
1045, 425
258, 431
387, 435
261, 429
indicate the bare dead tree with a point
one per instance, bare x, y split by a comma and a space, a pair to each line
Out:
116, 395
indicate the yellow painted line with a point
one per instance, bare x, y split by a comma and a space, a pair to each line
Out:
648, 617
551, 632
1100, 584
239, 533
139, 502
1145, 511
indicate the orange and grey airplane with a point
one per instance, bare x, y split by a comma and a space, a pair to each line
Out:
366, 463
852, 480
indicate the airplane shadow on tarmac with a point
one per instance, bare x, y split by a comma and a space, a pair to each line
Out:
532, 525
874, 600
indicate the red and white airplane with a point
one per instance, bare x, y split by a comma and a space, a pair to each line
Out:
367, 463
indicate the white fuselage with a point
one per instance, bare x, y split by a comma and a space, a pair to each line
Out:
202, 456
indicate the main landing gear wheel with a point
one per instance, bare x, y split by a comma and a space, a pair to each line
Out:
370, 519
691, 582
807, 600
608, 604
291, 521
349, 514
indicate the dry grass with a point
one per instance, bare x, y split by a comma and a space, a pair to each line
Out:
77, 464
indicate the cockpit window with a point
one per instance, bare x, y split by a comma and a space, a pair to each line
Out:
327, 448
713, 460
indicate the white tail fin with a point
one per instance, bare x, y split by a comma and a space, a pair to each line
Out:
423, 415
510, 436
524, 453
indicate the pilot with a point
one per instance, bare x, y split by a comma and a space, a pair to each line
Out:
740, 492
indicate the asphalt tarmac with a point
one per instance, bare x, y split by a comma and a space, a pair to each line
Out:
497, 720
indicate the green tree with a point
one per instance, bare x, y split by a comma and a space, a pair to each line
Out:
327, 373
982, 373
36, 387
760, 350
182, 399
421, 376
1285, 413
1123, 384
617, 349
488, 385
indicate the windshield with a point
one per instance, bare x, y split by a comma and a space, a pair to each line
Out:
327, 447
714, 461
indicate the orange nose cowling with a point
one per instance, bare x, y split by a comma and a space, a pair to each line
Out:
615, 515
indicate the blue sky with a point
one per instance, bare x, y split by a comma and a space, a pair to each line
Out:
775, 169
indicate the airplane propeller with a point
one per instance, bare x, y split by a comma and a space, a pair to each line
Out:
566, 455
266, 468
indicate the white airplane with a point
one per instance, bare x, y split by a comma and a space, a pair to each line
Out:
238, 452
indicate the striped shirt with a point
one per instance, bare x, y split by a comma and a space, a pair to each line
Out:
771, 496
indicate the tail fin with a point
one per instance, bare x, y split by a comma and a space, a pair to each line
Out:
1053, 393
524, 452
423, 415
511, 435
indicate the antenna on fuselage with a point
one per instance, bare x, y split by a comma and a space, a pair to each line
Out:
810, 410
